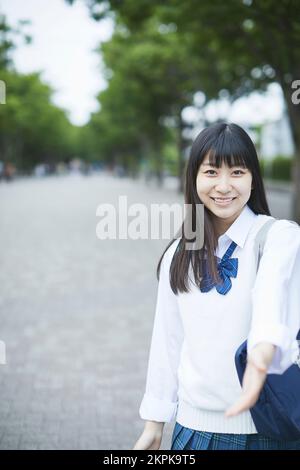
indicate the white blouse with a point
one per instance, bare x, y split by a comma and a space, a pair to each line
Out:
191, 371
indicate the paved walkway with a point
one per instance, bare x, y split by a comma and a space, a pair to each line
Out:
76, 314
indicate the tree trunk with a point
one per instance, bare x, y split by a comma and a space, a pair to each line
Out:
158, 164
294, 116
181, 159
296, 191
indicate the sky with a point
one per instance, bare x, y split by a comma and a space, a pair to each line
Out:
64, 39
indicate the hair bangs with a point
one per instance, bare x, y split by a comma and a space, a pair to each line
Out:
228, 152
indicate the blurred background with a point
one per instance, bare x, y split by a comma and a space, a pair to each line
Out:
101, 99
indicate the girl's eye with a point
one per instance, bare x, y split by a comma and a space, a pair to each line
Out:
213, 172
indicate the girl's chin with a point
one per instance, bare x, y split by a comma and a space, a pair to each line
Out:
220, 208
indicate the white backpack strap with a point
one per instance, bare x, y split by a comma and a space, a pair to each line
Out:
260, 240
261, 236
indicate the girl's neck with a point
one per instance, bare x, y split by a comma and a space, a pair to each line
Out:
220, 230
221, 226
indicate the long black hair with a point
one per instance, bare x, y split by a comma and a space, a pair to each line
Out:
230, 144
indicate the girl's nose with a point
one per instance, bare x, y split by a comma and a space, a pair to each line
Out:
223, 185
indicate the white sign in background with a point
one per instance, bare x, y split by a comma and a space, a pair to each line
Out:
2, 353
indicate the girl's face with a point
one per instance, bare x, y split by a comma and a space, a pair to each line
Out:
224, 191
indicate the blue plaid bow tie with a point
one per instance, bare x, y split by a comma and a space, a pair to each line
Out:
227, 267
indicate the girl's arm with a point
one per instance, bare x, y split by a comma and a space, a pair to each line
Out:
159, 403
151, 437
276, 296
272, 344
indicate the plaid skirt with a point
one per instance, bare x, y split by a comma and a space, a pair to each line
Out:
190, 439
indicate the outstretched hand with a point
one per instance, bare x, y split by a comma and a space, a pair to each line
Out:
254, 378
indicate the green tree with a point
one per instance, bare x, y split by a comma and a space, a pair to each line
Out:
32, 128
243, 46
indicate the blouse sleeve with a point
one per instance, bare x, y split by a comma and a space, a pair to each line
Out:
276, 296
160, 399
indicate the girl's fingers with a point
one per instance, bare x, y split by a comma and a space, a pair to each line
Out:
252, 385
242, 404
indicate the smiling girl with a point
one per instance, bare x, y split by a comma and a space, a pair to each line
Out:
211, 299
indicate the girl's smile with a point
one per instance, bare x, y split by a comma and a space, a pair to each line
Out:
223, 201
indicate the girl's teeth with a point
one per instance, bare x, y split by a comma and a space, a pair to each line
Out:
223, 202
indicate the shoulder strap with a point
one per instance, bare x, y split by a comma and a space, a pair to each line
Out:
260, 240
261, 236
